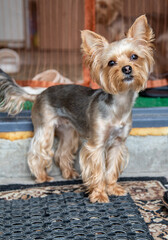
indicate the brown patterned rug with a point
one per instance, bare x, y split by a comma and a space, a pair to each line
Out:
146, 193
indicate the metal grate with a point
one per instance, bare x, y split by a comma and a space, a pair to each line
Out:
71, 216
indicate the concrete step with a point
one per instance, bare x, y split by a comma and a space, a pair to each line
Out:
148, 157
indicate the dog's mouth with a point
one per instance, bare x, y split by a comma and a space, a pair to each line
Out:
128, 79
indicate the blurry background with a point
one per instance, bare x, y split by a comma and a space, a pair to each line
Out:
45, 34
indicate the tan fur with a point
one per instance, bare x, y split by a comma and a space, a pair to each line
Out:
92, 161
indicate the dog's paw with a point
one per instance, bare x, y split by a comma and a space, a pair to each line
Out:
97, 196
116, 189
70, 174
44, 179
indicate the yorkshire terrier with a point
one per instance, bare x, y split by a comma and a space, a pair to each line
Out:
101, 117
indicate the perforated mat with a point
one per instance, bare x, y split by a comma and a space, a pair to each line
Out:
70, 215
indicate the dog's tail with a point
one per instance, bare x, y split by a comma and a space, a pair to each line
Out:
12, 96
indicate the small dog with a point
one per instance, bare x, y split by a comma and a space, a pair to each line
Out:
101, 117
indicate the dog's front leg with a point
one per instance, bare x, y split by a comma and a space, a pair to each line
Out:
92, 163
116, 157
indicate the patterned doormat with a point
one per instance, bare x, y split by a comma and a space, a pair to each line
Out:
61, 210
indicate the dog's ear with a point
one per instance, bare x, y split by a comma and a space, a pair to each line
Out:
92, 42
141, 30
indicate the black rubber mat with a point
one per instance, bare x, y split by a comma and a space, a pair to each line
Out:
71, 216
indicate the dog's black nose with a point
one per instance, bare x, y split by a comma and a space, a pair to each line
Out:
127, 69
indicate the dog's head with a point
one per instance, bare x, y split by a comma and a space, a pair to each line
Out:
124, 64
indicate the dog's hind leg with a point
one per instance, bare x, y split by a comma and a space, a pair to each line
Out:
41, 149
40, 153
66, 150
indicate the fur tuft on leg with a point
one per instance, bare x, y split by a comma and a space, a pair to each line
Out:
93, 172
117, 159
41, 153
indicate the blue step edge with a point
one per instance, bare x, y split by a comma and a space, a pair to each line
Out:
150, 117
20, 122
142, 118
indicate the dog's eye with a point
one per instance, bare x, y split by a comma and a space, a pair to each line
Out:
134, 57
111, 63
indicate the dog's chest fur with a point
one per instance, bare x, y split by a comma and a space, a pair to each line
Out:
115, 120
